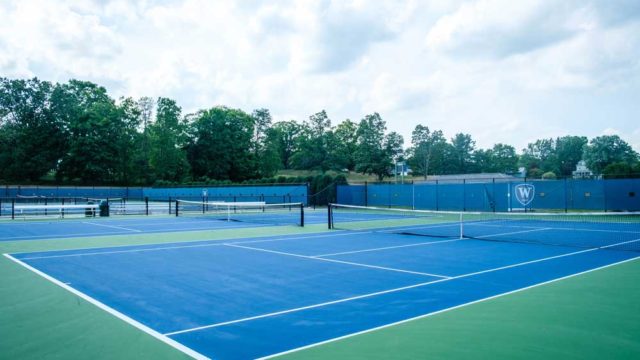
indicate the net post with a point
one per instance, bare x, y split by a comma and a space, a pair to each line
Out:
301, 214
169, 205
461, 226
146, 205
62, 209
13, 208
45, 209
177, 203
330, 216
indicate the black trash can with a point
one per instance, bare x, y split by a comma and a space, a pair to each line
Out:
104, 208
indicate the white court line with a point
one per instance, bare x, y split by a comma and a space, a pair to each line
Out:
113, 312
427, 243
388, 248
407, 227
556, 228
96, 234
173, 247
111, 226
442, 311
66, 236
397, 290
513, 232
336, 261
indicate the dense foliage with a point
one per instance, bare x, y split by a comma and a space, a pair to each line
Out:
76, 133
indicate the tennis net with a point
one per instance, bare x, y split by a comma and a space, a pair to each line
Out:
618, 231
251, 212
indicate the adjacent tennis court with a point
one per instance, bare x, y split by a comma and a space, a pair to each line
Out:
192, 217
260, 297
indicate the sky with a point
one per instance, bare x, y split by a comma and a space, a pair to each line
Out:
503, 71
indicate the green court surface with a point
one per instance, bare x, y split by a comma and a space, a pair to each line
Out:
595, 315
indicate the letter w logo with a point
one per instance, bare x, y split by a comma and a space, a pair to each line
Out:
525, 193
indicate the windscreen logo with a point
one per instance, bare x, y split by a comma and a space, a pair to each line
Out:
525, 193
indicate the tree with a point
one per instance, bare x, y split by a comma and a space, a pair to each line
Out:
220, 145
502, 159
569, 151
146, 106
127, 140
375, 151
608, 149
94, 123
32, 137
540, 155
265, 153
343, 146
283, 138
427, 151
621, 170
313, 152
460, 154
168, 158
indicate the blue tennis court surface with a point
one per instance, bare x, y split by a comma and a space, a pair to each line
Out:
252, 298
50, 229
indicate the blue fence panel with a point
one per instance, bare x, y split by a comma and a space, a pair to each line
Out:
425, 196
71, 191
586, 195
351, 195
478, 197
451, 197
270, 194
549, 194
622, 194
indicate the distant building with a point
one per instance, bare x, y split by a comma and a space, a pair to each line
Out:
582, 171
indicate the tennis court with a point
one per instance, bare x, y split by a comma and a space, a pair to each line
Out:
192, 220
259, 297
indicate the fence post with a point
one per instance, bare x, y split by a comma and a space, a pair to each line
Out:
366, 193
566, 197
604, 194
437, 196
464, 194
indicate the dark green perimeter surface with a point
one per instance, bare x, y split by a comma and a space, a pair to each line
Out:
596, 315
591, 316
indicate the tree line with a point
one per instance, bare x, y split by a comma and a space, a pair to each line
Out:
76, 133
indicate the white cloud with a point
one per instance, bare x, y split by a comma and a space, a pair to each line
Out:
502, 71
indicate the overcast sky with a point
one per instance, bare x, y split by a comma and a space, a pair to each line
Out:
503, 71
